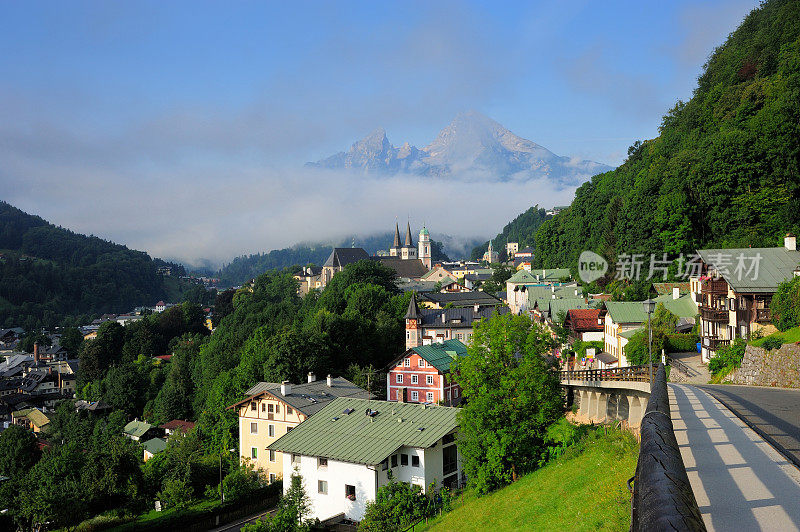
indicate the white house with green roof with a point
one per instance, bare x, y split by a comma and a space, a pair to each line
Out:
734, 289
625, 317
345, 452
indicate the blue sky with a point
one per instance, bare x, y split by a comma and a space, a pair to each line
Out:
153, 105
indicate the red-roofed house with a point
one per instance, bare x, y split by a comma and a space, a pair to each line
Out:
586, 324
179, 425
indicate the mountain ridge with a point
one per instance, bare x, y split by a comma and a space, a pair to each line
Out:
473, 146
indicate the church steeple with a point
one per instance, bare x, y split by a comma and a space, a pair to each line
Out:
395, 250
409, 243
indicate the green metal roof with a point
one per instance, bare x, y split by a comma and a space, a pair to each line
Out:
629, 334
683, 307
137, 428
633, 311
775, 265
522, 277
442, 355
362, 439
626, 311
155, 445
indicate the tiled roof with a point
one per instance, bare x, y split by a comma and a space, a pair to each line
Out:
585, 319
441, 355
341, 257
461, 299
309, 397
775, 265
342, 431
410, 268
564, 305
458, 317
666, 288
179, 424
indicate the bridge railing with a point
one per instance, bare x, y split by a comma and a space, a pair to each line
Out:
626, 373
662, 495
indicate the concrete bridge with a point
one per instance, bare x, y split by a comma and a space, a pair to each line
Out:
608, 394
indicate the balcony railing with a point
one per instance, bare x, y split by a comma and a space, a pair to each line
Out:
714, 314
763, 314
714, 286
625, 373
715, 343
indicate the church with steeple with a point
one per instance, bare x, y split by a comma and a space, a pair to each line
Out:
409, 260
407, 251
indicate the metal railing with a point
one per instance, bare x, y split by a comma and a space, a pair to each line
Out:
662, 495
626, 373
683, 368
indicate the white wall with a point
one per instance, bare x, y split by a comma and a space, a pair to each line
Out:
337, 474
593, 336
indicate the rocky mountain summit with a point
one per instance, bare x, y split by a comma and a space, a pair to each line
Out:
471, 147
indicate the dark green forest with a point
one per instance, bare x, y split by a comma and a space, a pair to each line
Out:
50, 275
724, 170
266, 332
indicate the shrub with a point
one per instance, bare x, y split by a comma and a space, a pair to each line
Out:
728, 357
772, 342
240, 483
786, 305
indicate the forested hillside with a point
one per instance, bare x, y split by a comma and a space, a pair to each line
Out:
725, 169
521, 229
49, 274
245, 268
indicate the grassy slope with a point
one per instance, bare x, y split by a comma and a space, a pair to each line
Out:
583, 490
787, 337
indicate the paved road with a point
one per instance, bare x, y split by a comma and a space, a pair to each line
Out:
739, 480
772, 412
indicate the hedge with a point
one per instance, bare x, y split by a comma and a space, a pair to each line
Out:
677, 343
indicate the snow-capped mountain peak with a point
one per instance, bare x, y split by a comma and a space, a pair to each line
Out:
472, 145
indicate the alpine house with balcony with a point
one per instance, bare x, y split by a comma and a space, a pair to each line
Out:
734, 287
345, 452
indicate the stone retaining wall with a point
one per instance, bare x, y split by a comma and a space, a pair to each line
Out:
778, 367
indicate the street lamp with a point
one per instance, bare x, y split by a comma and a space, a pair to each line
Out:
221, 492
649, 308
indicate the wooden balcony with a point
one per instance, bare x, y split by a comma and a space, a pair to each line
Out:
714, 286
714, 343
713, 314
763, 314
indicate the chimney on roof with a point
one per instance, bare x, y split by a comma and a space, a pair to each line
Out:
552, 288
36, 352
790, 242
676, 292
329, 381
477, 308
286, 388
311, 376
